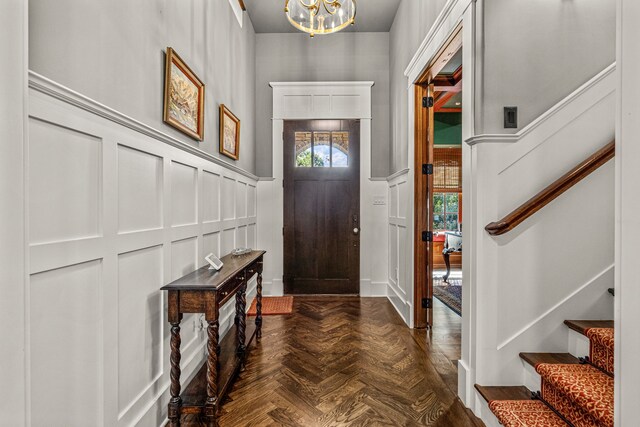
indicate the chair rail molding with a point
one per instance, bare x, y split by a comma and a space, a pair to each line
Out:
324, 100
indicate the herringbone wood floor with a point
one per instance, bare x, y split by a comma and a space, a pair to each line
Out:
346, 361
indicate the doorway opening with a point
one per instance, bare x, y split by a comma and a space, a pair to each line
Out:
321, 207
438, 189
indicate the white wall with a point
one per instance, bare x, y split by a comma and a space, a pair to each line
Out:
530, 54
557, 264
339, 57
115, 210
412, 23
13, 86
113, 52
538, 52
627, 221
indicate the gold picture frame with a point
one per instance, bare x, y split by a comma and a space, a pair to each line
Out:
229, 133
183, 97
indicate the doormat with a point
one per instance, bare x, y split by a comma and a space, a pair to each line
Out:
450, 294
272, 306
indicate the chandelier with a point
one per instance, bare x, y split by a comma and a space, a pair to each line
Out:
321, 16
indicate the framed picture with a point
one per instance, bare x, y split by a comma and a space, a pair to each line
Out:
229, 133
183, 97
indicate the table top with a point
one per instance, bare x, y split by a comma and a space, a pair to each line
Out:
206, 279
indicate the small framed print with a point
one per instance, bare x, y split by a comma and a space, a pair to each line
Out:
229, 133
215, 263
183, 97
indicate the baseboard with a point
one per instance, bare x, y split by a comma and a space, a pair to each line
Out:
398, 303
369, 288
465, 388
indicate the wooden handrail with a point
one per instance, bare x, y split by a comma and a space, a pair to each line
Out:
554, 190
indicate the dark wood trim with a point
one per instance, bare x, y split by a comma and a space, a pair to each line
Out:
423, 184
242, 6
423, 261
546, 196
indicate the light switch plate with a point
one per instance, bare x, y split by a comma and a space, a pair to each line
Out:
379, 201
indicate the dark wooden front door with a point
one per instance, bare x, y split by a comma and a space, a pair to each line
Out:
322, 207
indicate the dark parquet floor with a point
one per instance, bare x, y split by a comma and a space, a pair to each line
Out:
347, 361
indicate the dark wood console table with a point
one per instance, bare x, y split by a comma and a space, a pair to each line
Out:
205, 291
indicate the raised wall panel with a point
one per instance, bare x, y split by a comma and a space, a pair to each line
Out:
402, 256
139, 190
251, 236
183, 194
297, 105
241, 237
228, 241
210, 197
211, 244
140, 351
393, 252
252, 201
402, 196
65, 183
393, 201
322, 105
345, 105
65, 337
183, 261
228, 198
241, 200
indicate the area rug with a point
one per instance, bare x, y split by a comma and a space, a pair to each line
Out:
450, 294
272, 306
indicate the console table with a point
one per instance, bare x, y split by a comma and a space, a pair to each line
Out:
205, 291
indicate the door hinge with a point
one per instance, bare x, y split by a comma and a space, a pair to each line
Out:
427, 303
283, 231
427, 236
427, 102
427, 169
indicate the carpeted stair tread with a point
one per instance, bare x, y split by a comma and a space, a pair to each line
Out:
582, 393
491, 393
525, 413
601, 348
581, 326
535, 359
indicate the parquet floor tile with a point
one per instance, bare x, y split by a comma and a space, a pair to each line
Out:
347, 361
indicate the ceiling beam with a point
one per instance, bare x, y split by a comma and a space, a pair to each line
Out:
242, 6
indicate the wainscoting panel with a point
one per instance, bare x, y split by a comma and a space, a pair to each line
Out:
115, 211
400, 290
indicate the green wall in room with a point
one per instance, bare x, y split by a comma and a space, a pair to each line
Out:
448, 129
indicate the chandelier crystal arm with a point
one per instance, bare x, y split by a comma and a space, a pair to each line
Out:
320, 16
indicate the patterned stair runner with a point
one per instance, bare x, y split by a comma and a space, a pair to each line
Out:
581, 393
525, 413
601, 348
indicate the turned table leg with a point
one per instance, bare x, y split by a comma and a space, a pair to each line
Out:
241, 308
259, 304
211, 405
176, 402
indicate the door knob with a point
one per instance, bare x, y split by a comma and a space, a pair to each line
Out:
356, 231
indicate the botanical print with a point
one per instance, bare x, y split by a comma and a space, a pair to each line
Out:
229, 141
183, 99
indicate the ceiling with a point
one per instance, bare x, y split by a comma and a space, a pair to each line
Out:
267, 16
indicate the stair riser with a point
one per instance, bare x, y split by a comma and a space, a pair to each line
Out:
578, 344
532, 379
484, 413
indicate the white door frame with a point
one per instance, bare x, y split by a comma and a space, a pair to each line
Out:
324, 100
454, 13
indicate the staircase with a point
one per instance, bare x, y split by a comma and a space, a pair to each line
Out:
570, 389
